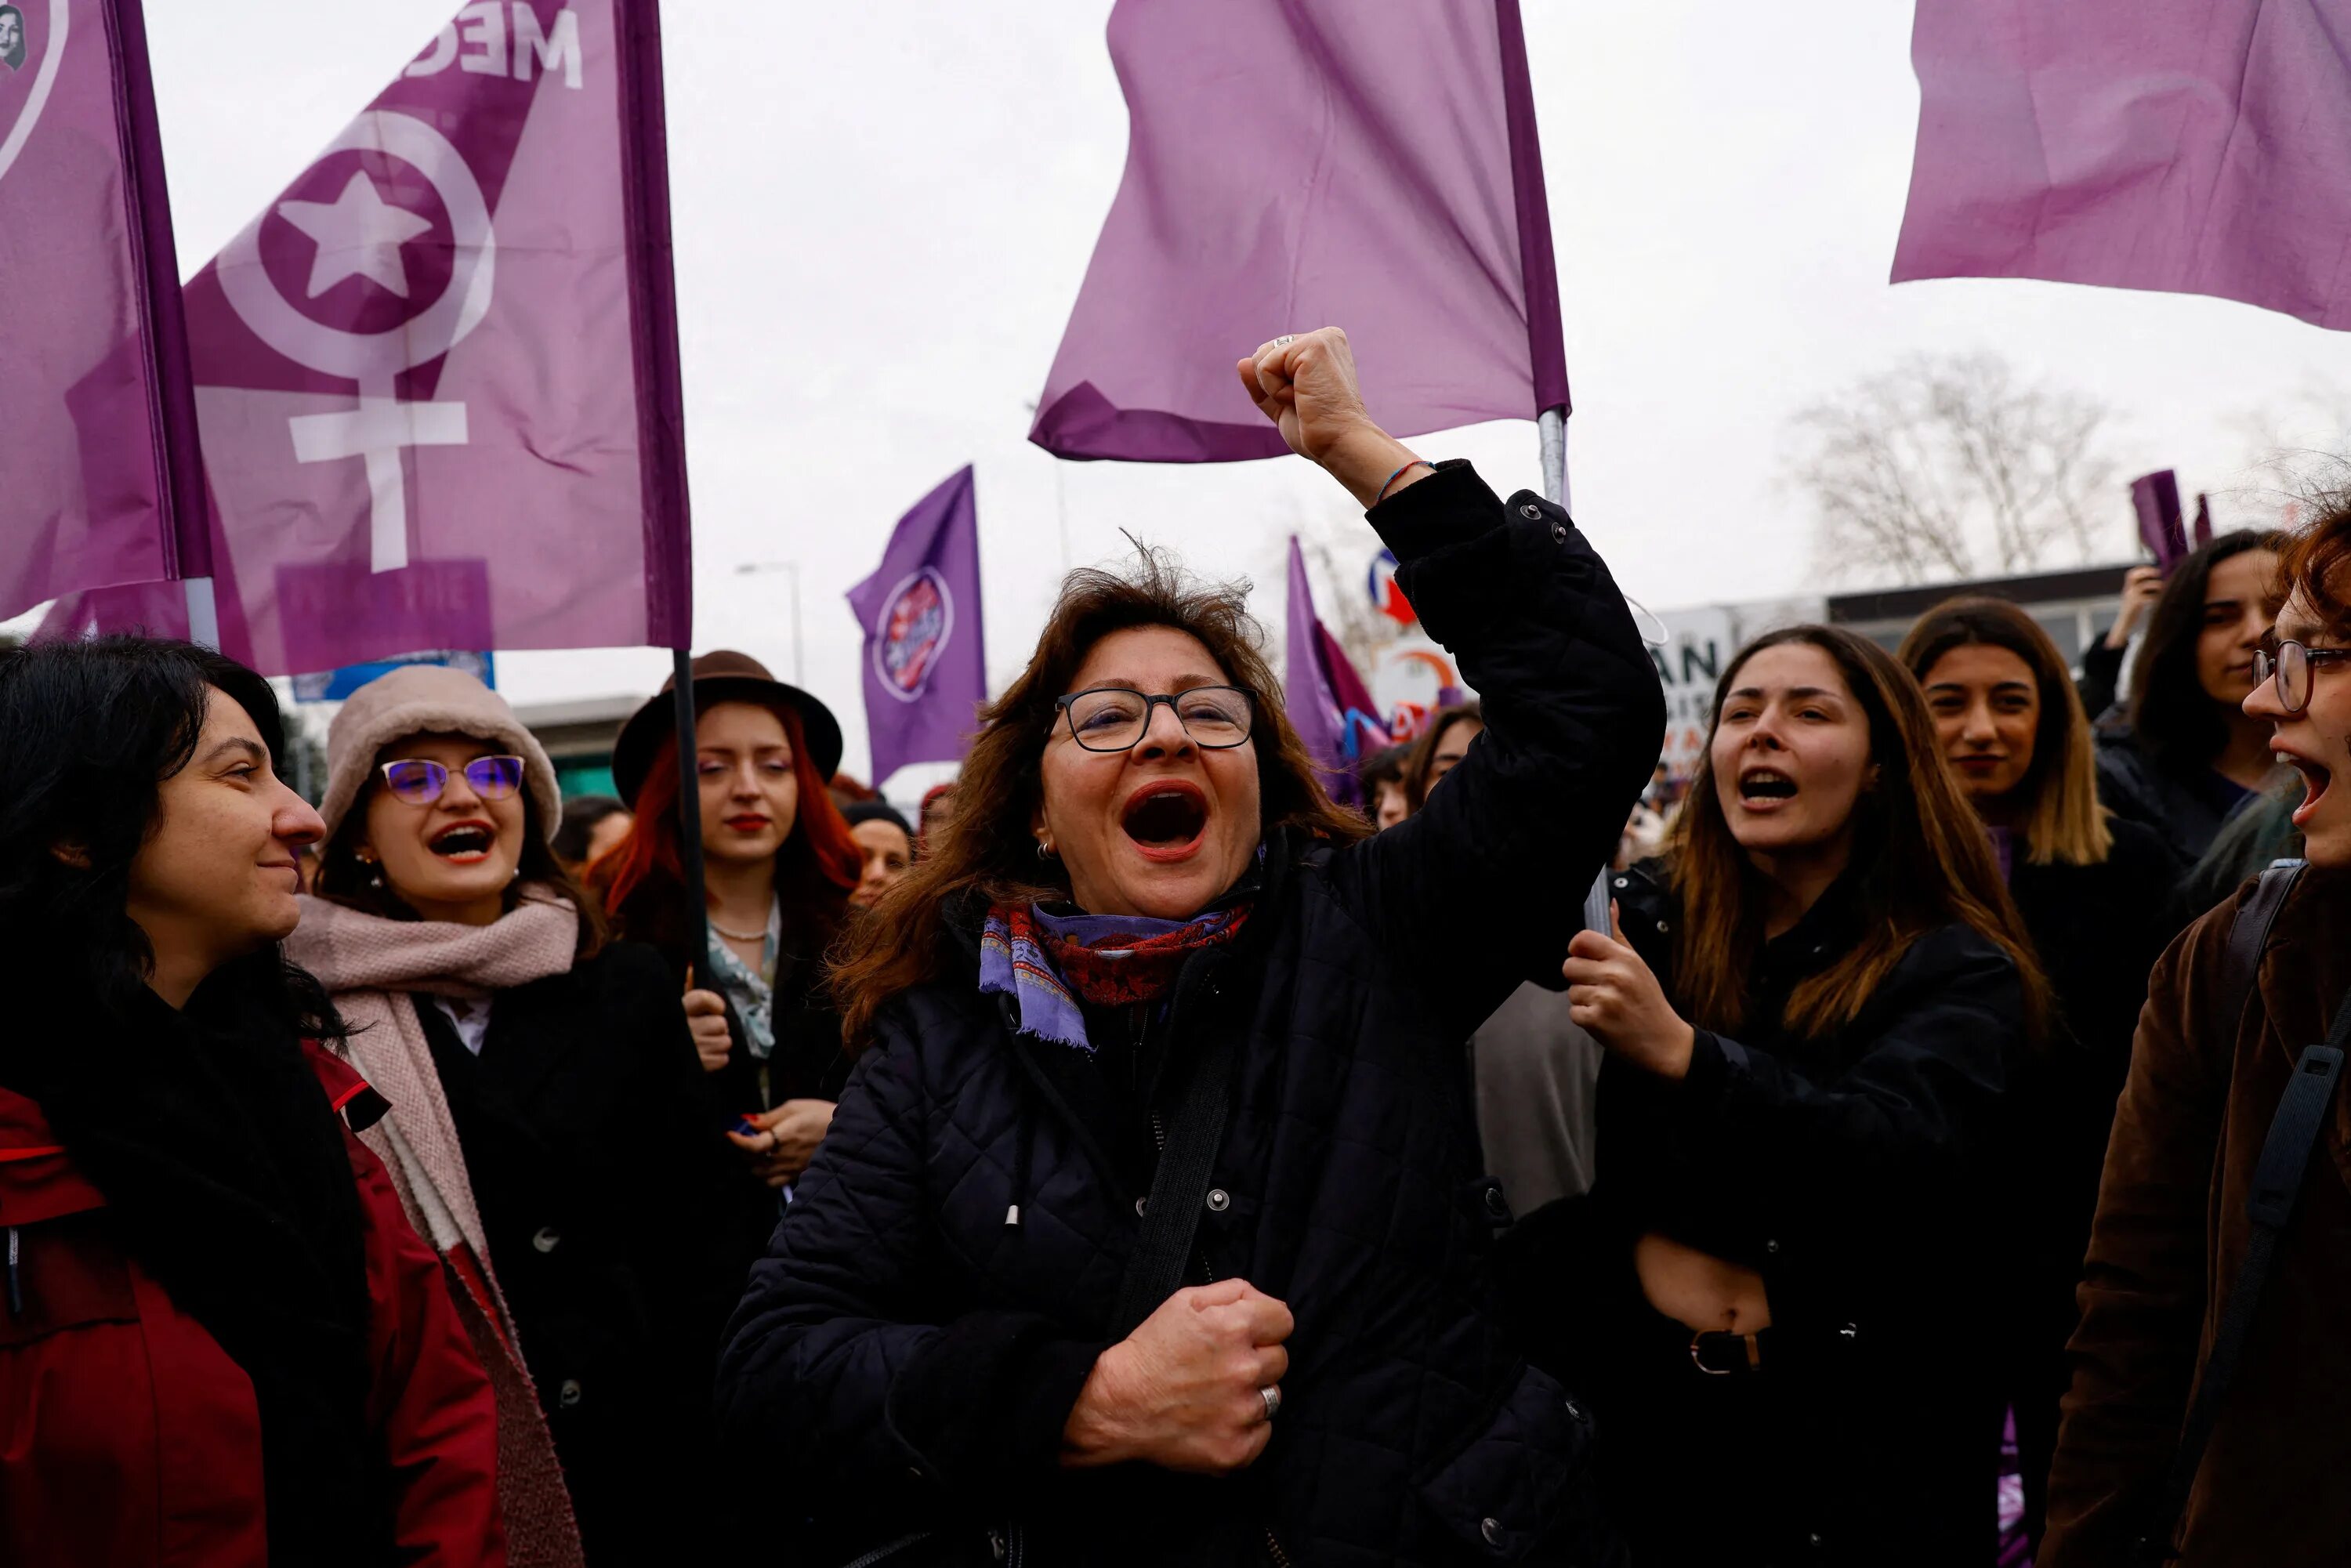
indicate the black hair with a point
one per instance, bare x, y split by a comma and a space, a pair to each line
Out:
89, 732
2174, 717
582, 815
860, 811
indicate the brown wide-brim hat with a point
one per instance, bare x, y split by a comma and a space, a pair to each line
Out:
720, 676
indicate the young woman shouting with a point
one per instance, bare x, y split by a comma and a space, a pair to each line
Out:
1812, 1010
547, 1129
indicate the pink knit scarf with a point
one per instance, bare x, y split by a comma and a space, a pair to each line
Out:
371, 966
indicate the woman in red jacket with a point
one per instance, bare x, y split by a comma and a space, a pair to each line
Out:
220, 1343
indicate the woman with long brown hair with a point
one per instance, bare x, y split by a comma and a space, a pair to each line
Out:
779, 867
2095, 893
2184, 756
1150, 1228
1812, 1013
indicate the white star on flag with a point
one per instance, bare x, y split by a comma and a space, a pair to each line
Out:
359, 232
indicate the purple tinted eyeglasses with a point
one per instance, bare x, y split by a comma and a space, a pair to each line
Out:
420, 782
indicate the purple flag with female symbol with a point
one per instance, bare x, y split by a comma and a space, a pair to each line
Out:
437, 377
925, 658
1305, 164
2196, 146
98, 476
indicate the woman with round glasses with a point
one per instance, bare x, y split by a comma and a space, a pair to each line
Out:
2231, 1009
548, 1130
1151, 1228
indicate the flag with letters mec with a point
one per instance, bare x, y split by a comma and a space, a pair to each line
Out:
1312, 163
2194, 146
925, 658
436, 378
98, 476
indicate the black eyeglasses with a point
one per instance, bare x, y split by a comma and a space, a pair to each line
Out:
2291, 666
420, 783
1113, 718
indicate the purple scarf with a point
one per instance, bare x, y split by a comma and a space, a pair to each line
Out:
1046, 962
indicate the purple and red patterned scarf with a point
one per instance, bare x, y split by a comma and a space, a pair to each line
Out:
1051, 963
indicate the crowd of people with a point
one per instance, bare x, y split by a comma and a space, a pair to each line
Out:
1138, 1157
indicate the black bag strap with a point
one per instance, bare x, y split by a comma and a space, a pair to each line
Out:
1179, 1188
2249, 937
2294, 1131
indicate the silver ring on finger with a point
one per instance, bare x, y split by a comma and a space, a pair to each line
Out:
1272, 1398
1283, 343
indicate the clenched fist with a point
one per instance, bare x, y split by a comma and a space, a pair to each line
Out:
1306, 384
1183, 1390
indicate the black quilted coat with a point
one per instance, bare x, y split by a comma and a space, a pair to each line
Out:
905, 1360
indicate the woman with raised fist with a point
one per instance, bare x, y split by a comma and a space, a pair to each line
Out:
1150, 1227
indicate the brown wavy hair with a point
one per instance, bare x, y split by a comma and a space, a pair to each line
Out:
983, 852
1922, 858
2064, 822
1422, 762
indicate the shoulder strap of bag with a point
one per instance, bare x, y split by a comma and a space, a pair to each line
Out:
1171, 1216
2293, 1133
2249, 937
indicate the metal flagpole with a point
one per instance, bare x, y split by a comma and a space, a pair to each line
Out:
689, 822
203, 613
1551, 427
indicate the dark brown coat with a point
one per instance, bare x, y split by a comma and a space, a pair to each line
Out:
2169, 1237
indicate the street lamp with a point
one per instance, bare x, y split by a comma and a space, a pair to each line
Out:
752, 568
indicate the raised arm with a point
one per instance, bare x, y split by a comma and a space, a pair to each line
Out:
1483, 887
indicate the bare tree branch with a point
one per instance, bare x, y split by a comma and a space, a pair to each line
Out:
1927, 470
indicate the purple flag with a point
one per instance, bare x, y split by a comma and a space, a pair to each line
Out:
437, 376
2198, 146
1326, 700
925, 657
2155, 498
98, 435
1314, 164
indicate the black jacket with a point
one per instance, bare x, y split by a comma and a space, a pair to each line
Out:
1853, 1172
909, 1358
600, 1186
2183, 808
2097, 931
807, 1063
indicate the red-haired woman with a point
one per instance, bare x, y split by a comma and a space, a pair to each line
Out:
779, 865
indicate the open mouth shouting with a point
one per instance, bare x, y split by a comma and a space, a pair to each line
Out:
2315, 778
1166, 821
1765, 789
465, 843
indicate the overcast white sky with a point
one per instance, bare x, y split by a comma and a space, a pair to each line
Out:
882, 211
